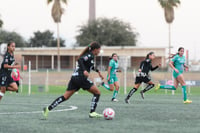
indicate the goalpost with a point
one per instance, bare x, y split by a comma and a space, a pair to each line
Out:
124, 62
29, 78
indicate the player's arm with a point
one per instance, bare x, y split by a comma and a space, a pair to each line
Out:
141, 66
186, 67
109, 69
119, 70
11, 67
171, 64
81, 63
156, 67
97, 70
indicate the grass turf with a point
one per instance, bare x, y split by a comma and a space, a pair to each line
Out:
157, 113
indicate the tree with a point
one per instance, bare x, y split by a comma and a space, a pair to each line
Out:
56, 13
109, 32
6, 36
168, 6
1, 23
45, 38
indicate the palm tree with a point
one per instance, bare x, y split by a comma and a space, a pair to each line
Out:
168, 6
56, 13
1, 23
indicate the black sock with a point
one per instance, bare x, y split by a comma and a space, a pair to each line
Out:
56, 102
131, 93
94, 102
149, 86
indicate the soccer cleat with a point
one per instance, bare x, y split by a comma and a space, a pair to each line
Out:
45, 112
142, 94
102, 83
95, 115
127, 101
114, 100
157, 87
187, 101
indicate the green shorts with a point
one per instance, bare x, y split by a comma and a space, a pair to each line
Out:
112, 80
175, 75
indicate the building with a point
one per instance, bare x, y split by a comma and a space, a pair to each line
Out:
46, 58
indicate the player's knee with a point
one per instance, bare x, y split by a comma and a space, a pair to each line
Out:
3, 89
98, 93
111, 88
152, 85
15, 88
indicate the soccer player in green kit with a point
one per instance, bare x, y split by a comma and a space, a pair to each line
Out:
178, 65
112, 77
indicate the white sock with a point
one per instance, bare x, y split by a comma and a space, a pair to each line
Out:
1, 94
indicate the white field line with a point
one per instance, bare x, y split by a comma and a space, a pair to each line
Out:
36, 112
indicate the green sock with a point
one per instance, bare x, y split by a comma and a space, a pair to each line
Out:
169, 87
184, 93
106, 86
115, 94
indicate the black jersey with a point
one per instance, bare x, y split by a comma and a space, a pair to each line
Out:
146, 66
8, 59
85, 62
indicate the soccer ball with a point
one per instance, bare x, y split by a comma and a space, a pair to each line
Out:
109, 113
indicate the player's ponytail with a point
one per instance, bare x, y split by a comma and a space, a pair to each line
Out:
92, 46
150, 53
172, 55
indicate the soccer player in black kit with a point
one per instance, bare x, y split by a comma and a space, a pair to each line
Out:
79, 79
143, 76
8, 63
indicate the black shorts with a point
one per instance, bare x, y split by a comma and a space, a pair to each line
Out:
141, 79
6, 80
78, 82
17, 82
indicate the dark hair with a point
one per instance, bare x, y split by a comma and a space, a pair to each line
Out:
92, 46
150, 53
9, 44
113, 54
172, 55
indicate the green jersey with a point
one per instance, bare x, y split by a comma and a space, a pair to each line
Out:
114, 66
179, 62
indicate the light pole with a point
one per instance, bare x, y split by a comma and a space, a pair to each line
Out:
101, 53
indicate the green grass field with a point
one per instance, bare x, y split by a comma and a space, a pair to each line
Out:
158, 113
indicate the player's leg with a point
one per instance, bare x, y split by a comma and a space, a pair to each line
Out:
17, 82
2, 92
169, 87
116, 84
132, 91
57, 101
96, 95
148, 87
181, 80
3, 81
110, 85
176, 82
72, 88
12, 87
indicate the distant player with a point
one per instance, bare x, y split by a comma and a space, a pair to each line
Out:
143, 76
112, 77
6, 81
79, 79
178, 65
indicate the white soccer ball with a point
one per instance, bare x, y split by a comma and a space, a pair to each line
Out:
109, 113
